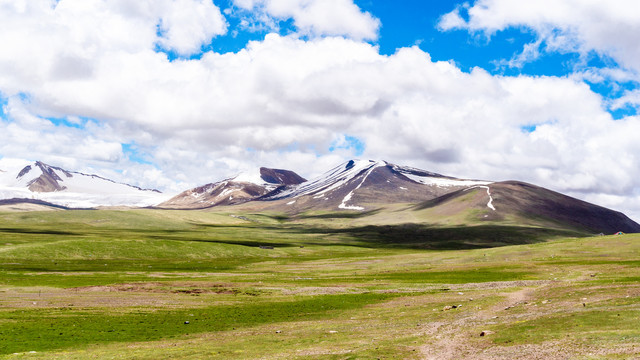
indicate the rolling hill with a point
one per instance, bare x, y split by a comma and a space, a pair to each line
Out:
526, 204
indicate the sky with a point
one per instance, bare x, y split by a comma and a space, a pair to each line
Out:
170, 94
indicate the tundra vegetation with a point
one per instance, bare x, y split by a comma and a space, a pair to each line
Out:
150, 284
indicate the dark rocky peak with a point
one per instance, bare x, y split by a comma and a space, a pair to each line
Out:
48, 169
24, 171
280, 177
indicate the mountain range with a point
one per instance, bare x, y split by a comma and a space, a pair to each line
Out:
358, 186
54, 185
354, 185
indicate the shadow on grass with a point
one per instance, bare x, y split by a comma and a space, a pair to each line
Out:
437, 201
338, 215
418, 236
455, 238
410, 236
36, 231
249, 243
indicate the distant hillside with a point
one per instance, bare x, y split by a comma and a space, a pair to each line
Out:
522, 203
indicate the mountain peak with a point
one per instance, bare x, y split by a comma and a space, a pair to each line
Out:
269, 177
280, 176
363, 163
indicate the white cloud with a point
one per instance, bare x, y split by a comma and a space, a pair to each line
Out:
630, 97
47, 40
190, 23
283, 102
452, 20
606, 27
315, 17
39, 139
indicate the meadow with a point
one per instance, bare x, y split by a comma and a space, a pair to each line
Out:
151, 284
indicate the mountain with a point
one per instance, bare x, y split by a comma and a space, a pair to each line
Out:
365, 184
354, 185
37, 180
514, 202
239, 189
382, 192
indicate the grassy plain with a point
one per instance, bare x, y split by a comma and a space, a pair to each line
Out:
150, 284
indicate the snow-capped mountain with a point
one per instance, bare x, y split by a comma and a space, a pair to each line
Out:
36, 180
236, 190
360, 184
354, 185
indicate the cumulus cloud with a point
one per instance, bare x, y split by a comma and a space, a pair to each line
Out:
187, 24
630, 97
607, 28
286, 101
66, 39
314, 17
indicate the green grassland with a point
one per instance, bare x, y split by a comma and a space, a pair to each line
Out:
151, 284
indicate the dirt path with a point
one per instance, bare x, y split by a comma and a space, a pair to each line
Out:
452, 340
460, 338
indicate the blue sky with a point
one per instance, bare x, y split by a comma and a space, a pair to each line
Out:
177, 93
415, 23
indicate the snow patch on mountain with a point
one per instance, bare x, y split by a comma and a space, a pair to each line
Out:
445, 182
429, 178
490, 203
347, 198
251, 177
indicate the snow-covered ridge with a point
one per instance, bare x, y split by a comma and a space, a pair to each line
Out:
331, 180
429, 178
344, 173
36, 180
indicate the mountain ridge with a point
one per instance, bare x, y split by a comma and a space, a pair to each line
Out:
55, 185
